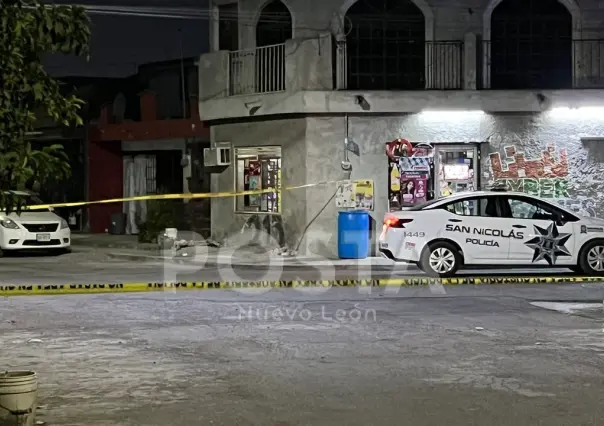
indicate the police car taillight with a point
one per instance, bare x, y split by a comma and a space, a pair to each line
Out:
396, 222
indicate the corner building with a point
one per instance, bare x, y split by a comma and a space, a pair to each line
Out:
507, 91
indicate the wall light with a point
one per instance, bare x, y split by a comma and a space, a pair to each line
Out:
448, 114
590, 112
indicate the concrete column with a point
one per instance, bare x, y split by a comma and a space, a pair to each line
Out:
247, 27
470, 61
309, 63
214, 77
213, 28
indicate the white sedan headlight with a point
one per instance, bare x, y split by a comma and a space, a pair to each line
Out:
64, 224
9, 223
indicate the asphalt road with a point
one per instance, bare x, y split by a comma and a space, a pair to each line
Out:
461, 355
98, 267
342, 357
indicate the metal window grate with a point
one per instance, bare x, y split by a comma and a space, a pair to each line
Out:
385, 45
530, 46
151, 174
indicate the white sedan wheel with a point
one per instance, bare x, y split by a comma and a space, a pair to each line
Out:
595, 258
442, 260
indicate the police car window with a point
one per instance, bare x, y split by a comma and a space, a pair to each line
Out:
525, 209
484, 207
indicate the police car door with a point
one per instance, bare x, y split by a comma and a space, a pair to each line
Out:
544, 239
475, 223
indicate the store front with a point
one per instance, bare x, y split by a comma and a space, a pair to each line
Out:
258, 169
419, 172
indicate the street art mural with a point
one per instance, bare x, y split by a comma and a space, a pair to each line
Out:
544, 176
583, 206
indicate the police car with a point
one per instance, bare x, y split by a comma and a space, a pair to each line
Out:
493, 228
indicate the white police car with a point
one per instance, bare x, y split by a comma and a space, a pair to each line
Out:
491, 228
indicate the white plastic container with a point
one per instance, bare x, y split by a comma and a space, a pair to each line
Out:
18, 398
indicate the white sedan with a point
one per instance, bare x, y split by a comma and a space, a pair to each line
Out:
33, 229
488, 228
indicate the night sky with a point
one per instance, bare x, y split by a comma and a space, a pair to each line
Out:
120, 43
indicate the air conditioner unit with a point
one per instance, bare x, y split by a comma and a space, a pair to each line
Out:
219, 155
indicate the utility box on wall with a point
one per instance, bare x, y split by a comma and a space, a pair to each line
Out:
218, 155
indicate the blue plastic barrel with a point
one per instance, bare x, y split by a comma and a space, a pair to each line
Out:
353, 234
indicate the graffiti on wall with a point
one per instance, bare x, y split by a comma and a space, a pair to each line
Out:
546, 175
543, 176
583, 206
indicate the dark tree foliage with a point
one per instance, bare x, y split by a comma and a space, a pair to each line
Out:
28, 30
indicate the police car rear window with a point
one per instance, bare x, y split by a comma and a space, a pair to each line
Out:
423, 205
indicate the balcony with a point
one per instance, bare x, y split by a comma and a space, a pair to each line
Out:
438, 65
313, 76
576, 64
259, 70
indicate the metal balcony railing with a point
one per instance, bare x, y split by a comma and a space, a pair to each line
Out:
444, 65
538, 64
436, 66
259, 70
588, 61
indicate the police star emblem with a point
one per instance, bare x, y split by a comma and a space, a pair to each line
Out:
548, 244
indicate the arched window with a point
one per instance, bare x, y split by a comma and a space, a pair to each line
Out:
531, 45
274, 25
385, 45
274, 28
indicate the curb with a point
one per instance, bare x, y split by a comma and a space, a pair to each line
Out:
143, 257
91, 247
284, 263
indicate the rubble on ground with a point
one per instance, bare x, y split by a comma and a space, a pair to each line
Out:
182, 247
284, 251
165, 242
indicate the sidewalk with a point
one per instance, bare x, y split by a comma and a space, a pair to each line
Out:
127, 248
92, 241
243, 257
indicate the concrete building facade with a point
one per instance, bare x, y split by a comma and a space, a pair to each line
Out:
512, 89
137, 141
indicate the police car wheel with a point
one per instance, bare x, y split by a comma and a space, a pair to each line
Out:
591, 258
440, 259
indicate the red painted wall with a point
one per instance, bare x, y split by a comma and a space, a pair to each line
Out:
105, 164
105, 168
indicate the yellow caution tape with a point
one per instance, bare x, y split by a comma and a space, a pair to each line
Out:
45, 289
181, 196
